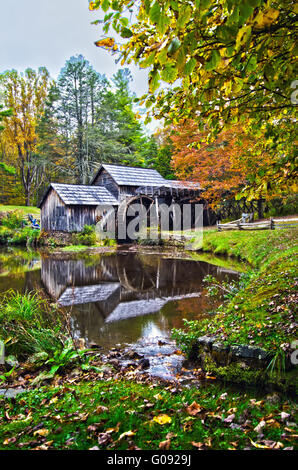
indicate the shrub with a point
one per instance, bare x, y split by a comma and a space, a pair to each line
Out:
5, 235
14, 219
24, 236
86, 237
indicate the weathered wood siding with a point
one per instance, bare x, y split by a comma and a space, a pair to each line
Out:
56, 216
54, 213
78, 216
105, 179
126, 191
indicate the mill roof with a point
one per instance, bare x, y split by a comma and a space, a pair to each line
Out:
81, 195
132, 176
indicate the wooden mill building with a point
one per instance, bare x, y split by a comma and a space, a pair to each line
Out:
68, 207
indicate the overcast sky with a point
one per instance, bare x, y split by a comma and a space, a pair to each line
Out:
36, 33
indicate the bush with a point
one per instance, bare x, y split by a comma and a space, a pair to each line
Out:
14, 219
86, 237
24, 236
5, 235
28, 325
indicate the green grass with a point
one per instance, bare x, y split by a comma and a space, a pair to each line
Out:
263, 312
25, 209
74, 248
28, 325
81, 416
252, 246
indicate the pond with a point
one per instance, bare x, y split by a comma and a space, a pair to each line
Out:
116, 298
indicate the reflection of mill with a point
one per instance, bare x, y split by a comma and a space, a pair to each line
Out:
122, 286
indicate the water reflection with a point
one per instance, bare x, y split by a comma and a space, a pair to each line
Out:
127, 296
115, 298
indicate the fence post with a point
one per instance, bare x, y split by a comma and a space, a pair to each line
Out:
272, 227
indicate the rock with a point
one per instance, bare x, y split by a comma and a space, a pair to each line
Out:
249, 352
144, 363
95, 346
38, 359
11, 361
206, 341
134, 355
273, 399
11, 392
220, 347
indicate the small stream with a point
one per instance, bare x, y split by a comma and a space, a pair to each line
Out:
124, 299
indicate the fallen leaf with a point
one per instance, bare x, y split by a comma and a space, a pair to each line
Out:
165, 445
126, 434
199, 445
104, 438
260, 426
41, 432
194, 409
229, 419
101, 409
162, 419
10, 440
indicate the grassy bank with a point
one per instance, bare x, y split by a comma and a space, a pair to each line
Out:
120, 414
262, 312
24, 209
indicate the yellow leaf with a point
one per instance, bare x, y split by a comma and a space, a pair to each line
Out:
266, 18
162, 419
107, 42
126, 434
41, 432
93, 6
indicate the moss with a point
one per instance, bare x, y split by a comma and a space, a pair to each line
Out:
262, 313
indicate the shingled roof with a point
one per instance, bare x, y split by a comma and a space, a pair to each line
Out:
131, 176
79, 195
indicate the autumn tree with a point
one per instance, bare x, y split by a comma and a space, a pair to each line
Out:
226, 62
26, 95
5, 113
222, 167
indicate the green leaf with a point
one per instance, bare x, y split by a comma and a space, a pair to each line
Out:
105, 5
189, 66
153, 81
154, 13
245, 11
169, 73
184, 16
214, 60
126, 33
174, 46
163, 23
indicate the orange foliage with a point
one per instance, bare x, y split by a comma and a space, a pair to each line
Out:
216, 165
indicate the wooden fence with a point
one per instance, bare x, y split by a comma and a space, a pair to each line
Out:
271, 224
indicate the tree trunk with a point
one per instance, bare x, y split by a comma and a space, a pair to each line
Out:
260, 208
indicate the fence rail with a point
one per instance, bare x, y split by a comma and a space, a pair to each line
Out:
271, 224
